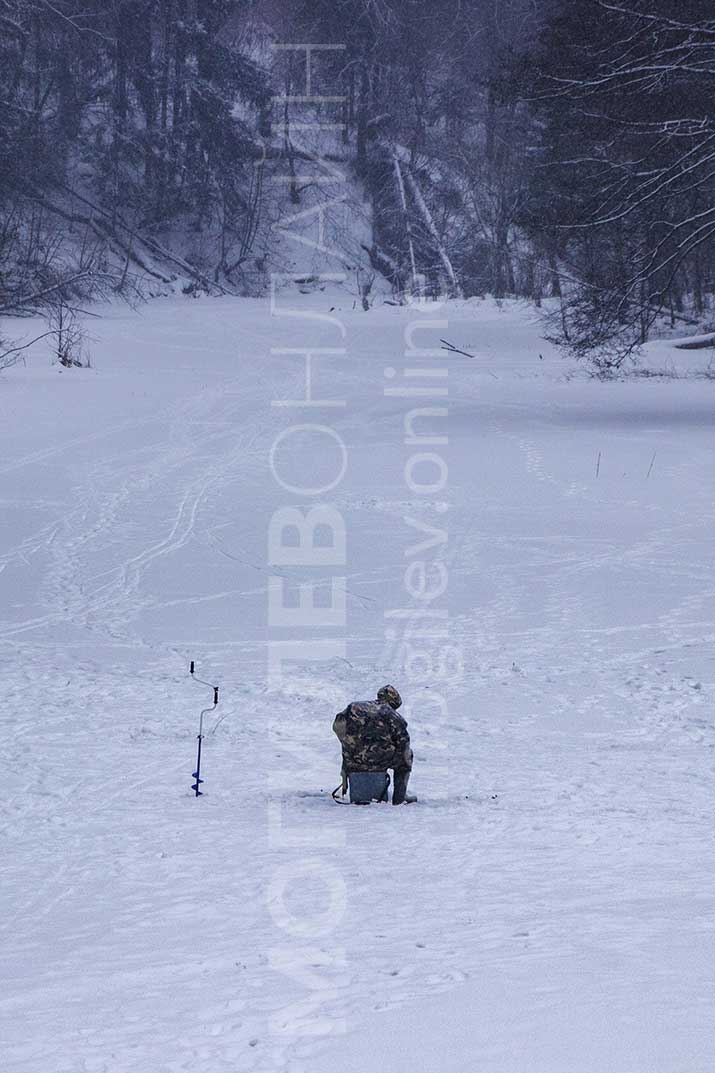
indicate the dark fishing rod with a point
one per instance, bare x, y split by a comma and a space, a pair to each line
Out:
200, 736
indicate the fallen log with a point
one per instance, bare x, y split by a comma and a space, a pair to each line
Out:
696, 342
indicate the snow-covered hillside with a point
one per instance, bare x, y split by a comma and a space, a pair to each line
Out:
549, 905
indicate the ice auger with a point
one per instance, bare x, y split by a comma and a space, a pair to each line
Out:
197, 774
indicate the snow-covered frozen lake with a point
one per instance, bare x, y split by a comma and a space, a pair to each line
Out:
549, 905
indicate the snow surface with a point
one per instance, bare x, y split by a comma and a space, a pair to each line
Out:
549, 905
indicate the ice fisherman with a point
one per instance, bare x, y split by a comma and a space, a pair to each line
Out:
374, 737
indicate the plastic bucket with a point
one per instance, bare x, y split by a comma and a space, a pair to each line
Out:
367, 786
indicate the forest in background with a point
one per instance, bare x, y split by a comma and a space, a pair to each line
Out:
543, 149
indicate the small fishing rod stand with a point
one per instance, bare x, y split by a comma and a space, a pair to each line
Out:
200, 736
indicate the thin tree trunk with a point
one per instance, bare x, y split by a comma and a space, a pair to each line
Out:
427, 216
416, 283
554, 272
361, 144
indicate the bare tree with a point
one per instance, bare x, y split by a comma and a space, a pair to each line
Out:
630, 158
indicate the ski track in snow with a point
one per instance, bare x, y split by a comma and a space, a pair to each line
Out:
565, 809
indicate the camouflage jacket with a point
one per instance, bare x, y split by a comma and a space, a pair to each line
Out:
373, 737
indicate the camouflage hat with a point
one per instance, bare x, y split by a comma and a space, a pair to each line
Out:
389, 695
